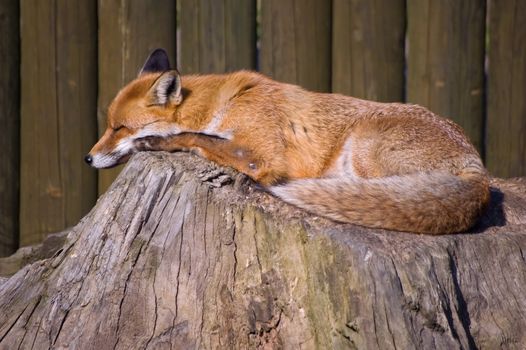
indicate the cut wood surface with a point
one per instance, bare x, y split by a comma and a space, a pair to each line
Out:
296, 42
217, 36
445, 61
368, 49
9, 125
506, 121
58, 126
181, 254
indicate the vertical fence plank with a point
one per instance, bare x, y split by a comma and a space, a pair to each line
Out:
9, 125
296, 42
76, 48
128, 31
506, 118
58, 120
368, 49
445, 64
217, 35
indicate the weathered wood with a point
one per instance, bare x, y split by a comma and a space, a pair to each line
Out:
506, 117
30, 254
368, 49
128, 31
445, 64
217, 36
58, 124
9, 125
296, 42
176, 256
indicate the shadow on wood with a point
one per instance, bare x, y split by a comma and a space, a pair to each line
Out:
179, 253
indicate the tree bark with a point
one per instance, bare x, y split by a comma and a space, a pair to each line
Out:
181, 254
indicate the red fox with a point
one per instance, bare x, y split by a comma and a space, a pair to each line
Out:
388, 165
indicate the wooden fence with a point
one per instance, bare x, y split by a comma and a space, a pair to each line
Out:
62, 61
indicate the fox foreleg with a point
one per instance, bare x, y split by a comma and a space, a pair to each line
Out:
221, 151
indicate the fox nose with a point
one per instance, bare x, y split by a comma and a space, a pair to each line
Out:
88, 159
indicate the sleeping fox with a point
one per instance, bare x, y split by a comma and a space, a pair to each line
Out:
388, 165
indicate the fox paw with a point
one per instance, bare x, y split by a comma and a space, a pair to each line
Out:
215, 178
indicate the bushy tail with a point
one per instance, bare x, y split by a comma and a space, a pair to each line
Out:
432, 202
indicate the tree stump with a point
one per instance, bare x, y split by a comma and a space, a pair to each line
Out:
180, 254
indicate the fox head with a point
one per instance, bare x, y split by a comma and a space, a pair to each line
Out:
145, 107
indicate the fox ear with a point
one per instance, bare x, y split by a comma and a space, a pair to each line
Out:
167, 89
157, 62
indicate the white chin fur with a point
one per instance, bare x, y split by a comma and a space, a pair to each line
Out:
104, 161
107, 160
158, 130
168, 129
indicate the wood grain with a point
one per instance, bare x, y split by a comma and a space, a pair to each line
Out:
217, 36
58, 120
506, 116
169, 259
368, 49
296, 42
128, 31
445, 62
9, 124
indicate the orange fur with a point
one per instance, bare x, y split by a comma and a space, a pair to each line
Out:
390, 165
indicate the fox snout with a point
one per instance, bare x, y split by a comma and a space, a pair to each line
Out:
109, 152
104, 161
103, 156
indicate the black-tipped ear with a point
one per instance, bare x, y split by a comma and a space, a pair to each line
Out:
157, 62
167, 89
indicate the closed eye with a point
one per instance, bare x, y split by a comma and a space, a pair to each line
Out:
152, 122
118, 128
